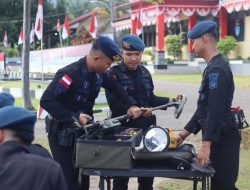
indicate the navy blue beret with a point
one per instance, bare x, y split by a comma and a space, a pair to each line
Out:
109, 48
201, 28
6, 100
131, 42
20, 120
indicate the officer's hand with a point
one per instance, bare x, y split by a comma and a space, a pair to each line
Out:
83, 119
204, 153
134, 111
146, 112
182, 136
179, 139
178, 97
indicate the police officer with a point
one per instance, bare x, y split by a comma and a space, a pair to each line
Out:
137, 81
220, 139
7, 99
18, 168
71, 96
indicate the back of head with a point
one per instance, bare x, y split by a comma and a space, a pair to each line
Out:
20, 121
6, 100
108, 47
204, 27
131, 42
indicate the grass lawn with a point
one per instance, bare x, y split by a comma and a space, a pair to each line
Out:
18, 84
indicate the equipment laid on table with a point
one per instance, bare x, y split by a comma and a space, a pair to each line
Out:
103, 147
108, 150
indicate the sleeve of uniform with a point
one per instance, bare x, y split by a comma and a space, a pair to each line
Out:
57, 89
216, 104
116, 93
114, 104
193, 126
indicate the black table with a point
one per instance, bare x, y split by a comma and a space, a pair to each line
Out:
191, 174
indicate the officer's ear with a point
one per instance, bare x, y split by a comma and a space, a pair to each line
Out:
205, 38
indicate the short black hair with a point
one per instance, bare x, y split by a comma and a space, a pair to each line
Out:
213, 34
95, 46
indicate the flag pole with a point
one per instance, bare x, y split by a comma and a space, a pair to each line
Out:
42, 59
60, 36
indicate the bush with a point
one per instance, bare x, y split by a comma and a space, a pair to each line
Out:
12, 52
173, 44
239, 57
150, 53
225, 45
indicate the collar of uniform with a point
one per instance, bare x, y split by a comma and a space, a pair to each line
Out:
125, 69
213, 60
11, 147
85, 71
84, 67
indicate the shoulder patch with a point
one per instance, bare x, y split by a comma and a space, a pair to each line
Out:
213, 78
65, 81
63, 84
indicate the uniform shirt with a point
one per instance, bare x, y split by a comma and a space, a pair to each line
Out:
74, 89
21, 170
139, 85
215, 99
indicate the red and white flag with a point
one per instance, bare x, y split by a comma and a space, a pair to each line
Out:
58, 26
93, 26
65, 81
32, 34
66, 30
5, 39
20, 39
39, 20
139, 24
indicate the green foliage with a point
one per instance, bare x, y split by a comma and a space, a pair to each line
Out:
225, 45
150, 53
11, 52
239, 57
173, 44
11, 14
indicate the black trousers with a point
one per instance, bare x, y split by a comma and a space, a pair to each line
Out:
64, 156
225, 160
121, 183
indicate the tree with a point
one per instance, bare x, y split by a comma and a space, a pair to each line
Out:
25, 56
225, 45
11, 14
173, 45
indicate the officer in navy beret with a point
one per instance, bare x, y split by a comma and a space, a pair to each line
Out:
19, 169
6, 99
220, 138
137, 81
71, 96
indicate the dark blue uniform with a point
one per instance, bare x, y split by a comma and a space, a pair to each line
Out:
139, 85
213, 109
21, 170
72, 92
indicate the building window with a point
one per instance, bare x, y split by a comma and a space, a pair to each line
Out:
236, 25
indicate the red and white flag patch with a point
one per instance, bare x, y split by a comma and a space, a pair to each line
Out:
65, 81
